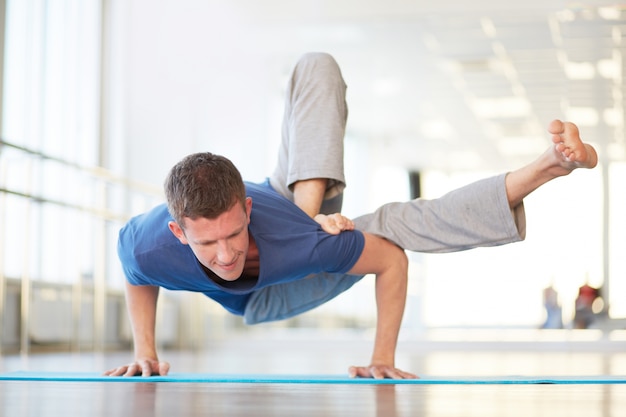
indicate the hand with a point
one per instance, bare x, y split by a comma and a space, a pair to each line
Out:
334, 223
379, 372
143, 367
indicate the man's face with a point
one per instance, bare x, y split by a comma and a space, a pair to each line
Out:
220, 244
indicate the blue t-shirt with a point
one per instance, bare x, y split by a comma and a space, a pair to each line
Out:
291, 246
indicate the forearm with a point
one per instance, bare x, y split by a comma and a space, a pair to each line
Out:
141, 304
391, 290
390, 265
309, 195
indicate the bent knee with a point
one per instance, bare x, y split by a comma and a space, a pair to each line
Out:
318, 63
318, 58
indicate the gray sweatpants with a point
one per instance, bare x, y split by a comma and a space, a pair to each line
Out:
314, 125
476, 215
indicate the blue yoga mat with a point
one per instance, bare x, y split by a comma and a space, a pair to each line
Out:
311, 379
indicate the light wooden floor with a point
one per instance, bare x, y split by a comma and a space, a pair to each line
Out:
41, 399
324, 354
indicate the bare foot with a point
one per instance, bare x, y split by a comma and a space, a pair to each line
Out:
568, 153
573, 151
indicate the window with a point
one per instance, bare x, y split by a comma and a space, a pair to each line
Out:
51, 106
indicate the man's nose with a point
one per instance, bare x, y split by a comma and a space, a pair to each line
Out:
225, 252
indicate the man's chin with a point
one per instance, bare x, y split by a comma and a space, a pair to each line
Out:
229, 275
230, 279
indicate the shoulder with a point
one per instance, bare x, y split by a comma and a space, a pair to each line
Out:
147, 227
146, 241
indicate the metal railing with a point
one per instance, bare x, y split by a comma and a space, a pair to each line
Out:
101, 214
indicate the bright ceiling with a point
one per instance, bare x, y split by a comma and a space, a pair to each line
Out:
462, 85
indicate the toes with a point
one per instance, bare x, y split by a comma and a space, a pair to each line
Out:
570, 129
565, 135
563, 129
556, 127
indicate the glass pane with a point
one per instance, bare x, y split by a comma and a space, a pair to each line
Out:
52, 82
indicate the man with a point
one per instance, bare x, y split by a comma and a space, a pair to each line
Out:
252, 250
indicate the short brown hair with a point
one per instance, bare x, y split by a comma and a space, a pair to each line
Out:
203, 185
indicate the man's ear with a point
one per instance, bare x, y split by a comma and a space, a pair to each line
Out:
248, 205
178, 232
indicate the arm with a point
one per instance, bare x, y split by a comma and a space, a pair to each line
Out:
142, 302
309, 195
390, 265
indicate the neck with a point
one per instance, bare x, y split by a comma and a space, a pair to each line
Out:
252, 266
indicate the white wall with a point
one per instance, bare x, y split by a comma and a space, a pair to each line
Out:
190, 84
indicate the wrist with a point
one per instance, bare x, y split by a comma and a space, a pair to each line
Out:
146, 353
381, 359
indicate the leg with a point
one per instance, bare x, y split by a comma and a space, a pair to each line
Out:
486, 213
312, 148
313, 129
480, 214
472, 216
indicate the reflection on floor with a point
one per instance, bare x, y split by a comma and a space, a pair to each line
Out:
441, 354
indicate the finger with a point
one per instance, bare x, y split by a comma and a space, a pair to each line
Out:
146, 368
121, 371
164, 368
359, 371
338, 219
330, 227
115, 371
399, 374
376, 372
408, 375
131, 370
344, 223
392, 373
